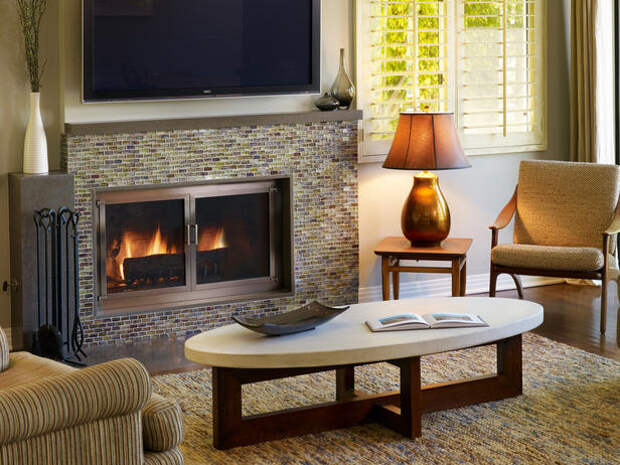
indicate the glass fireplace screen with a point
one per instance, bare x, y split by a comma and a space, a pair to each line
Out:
181, 245
233, 238
145, 247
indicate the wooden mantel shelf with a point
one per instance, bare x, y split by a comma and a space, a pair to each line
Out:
125, 127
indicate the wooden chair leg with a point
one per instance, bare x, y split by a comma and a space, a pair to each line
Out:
493, 282
519, 285
604, 284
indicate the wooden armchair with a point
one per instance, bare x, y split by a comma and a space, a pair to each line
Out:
565, 214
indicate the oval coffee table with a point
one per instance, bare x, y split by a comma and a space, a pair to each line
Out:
239, 356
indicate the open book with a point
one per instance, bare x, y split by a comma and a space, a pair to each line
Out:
430, 320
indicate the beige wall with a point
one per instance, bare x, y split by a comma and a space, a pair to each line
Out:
14, 91
337, 31
475, 195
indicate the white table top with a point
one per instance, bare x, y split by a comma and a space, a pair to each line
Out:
346, 339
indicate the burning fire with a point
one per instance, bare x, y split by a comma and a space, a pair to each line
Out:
211, 238
136, 245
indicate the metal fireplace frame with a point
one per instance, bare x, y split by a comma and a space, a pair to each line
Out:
280, 283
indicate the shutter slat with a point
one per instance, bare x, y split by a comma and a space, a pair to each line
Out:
417, 77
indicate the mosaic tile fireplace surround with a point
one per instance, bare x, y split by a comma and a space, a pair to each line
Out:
319, 158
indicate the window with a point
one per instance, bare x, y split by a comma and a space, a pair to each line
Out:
482, 60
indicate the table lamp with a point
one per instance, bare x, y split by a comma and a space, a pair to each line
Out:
426, 141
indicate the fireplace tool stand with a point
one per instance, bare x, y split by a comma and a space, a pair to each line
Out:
60, 332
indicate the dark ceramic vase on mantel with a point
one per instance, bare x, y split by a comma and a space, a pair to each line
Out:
343, 89
327, 103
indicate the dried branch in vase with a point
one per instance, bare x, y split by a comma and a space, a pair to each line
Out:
30, 14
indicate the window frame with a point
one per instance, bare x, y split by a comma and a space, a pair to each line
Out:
376, 151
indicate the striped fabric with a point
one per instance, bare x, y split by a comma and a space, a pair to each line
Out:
162, 422
170, 457
51, 414
4, 351
111, 389
26, 368
110, 441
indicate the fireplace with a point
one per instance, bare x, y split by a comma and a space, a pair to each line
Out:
163, 247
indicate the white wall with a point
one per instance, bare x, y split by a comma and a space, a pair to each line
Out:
475, 195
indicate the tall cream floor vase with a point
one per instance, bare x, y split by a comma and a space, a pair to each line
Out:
35, 142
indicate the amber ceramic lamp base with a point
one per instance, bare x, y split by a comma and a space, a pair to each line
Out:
426, 218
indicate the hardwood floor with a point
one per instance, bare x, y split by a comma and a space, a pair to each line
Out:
572, 316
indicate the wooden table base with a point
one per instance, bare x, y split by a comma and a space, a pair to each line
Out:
400, 411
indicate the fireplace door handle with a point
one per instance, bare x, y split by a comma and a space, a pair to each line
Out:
189, 229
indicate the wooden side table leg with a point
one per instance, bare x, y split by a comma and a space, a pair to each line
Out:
385, 277
396, 281
464, 277
456, 278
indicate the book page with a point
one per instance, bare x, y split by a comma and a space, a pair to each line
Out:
454, 317
451, 320
398, 320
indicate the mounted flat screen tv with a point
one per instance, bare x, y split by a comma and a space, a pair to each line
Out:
156, 49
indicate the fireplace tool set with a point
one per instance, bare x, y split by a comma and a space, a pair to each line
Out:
60, 333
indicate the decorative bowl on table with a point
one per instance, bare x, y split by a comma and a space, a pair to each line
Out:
302, 319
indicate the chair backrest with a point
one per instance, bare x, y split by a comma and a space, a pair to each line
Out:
4, 351
564, 203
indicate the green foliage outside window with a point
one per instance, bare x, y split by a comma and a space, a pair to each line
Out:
409, 53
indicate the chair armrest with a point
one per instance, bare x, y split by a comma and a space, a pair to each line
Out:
4, 351
111, 389
503, 219
614, 226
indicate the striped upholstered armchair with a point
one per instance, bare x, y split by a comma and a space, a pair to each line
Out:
103, 415
565, 215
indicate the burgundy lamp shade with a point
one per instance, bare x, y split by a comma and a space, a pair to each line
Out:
426, 141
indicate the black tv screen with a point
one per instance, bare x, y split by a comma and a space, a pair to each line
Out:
148, 49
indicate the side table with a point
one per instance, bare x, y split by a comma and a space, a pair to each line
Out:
394, 249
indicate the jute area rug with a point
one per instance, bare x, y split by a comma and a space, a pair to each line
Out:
569, 413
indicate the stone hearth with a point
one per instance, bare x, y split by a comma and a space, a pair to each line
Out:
320, 157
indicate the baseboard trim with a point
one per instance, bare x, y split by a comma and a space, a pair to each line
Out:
440, 287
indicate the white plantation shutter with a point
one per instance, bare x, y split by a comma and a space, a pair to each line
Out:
500, 74
404, 53
483, 60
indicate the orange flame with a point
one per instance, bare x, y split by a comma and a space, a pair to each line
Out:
211, 238
136, 245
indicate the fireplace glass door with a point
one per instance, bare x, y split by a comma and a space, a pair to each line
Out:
145, 246
233, 238
183, 245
